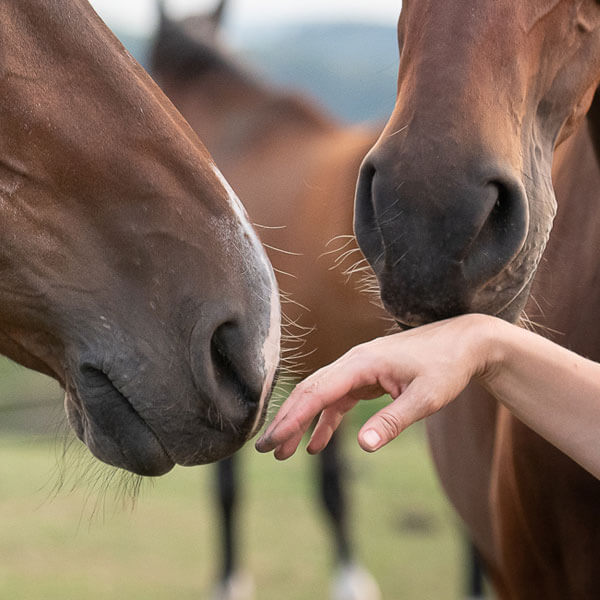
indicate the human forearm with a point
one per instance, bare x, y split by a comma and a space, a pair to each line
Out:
554, 391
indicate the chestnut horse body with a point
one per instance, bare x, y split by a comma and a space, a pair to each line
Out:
129, 271
454, 206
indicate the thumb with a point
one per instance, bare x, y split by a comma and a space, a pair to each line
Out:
419, 400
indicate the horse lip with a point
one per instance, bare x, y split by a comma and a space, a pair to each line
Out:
150, 457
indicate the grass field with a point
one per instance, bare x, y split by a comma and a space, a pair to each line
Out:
78, 546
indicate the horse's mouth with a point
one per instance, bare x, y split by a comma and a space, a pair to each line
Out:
106, 421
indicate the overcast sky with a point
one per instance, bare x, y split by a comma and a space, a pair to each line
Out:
140, 15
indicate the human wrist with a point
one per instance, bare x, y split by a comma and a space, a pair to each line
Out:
492, 346
484, 340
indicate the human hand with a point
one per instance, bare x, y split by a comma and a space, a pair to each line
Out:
422, 370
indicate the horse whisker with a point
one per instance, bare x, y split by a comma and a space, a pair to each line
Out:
281, 250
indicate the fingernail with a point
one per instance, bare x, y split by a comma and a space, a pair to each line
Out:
311, 450
260, 443
371, 439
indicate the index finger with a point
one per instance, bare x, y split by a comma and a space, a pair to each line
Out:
324, 388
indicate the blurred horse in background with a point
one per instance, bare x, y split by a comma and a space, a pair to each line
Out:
129, 270
296, 169
488, 150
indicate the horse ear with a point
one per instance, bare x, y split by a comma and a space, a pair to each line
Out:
217, 15
162, 12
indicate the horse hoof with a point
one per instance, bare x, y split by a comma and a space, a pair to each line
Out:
237, 586
352, 582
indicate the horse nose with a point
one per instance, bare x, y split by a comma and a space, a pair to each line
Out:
435, 234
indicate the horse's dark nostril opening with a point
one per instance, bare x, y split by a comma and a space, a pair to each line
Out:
501, 214
366, 227
227, 367
502, 234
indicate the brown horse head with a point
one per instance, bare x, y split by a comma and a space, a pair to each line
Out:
129, 270
454, 203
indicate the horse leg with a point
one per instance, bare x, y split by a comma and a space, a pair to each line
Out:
331, 486
232, 585
351, 582
475, 574
227, 496
462, 443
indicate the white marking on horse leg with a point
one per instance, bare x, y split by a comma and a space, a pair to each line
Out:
353, 582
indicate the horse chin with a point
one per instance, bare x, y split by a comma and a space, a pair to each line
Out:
508, 307
507, 304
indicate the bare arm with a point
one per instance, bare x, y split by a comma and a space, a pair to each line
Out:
553, 390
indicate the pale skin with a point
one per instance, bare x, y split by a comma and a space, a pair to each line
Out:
554, 391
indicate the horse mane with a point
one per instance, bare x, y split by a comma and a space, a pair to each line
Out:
189, 49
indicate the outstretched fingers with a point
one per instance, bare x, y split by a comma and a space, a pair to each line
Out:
323, 389
305, 402
421, 369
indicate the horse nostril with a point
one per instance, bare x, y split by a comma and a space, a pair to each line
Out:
501, 214
503, 232
366, 228
231, 368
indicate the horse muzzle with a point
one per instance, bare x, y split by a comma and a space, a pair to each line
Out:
435, 239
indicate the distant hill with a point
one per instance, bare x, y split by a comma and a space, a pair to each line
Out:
350, 68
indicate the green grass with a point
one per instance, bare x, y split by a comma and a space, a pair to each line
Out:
51, 548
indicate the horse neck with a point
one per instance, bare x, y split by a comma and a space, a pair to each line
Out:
593, 122
232, 111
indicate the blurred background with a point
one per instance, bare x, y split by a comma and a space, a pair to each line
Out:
344, 53
85, 541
